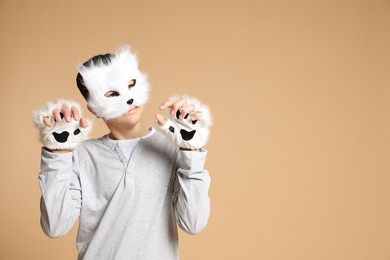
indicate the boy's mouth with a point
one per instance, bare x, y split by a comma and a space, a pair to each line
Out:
132, 109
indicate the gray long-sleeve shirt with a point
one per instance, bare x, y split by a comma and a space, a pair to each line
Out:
128, 209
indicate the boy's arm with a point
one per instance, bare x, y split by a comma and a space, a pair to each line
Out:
61, 129
61, 193
188, 127
191, 200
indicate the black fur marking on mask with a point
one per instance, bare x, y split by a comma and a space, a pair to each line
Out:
101, 59
77, 131
187, 136
62, 137
172, 129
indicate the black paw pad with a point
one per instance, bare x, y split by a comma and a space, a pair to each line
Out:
172, 129
62, 137
187, 135
77, 131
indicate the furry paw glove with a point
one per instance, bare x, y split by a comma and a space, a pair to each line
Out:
61, 135
185, 133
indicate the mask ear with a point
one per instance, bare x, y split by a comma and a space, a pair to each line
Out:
92, 111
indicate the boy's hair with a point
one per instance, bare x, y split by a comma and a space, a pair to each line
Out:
95, 60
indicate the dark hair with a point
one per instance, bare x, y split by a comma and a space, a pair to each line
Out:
95, 60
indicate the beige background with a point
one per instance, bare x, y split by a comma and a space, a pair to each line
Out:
299, 154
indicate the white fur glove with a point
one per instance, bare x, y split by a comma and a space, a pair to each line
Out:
186, 133
61, 135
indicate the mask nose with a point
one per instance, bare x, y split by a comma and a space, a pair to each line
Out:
130, 101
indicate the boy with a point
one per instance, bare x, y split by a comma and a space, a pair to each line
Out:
132, 187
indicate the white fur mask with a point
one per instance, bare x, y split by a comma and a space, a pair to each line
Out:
115, 86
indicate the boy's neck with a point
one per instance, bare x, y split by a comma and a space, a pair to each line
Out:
122, 133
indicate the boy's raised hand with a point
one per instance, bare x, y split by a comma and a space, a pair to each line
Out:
188, 124
61, 125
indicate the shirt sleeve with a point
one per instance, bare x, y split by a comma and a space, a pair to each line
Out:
61, 193
191, 200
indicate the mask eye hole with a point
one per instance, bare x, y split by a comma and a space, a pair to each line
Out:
132, 83
112, 93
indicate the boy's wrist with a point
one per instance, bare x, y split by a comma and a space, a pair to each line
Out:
58, 151
188, 149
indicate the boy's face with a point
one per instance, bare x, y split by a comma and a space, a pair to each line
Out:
116, 89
